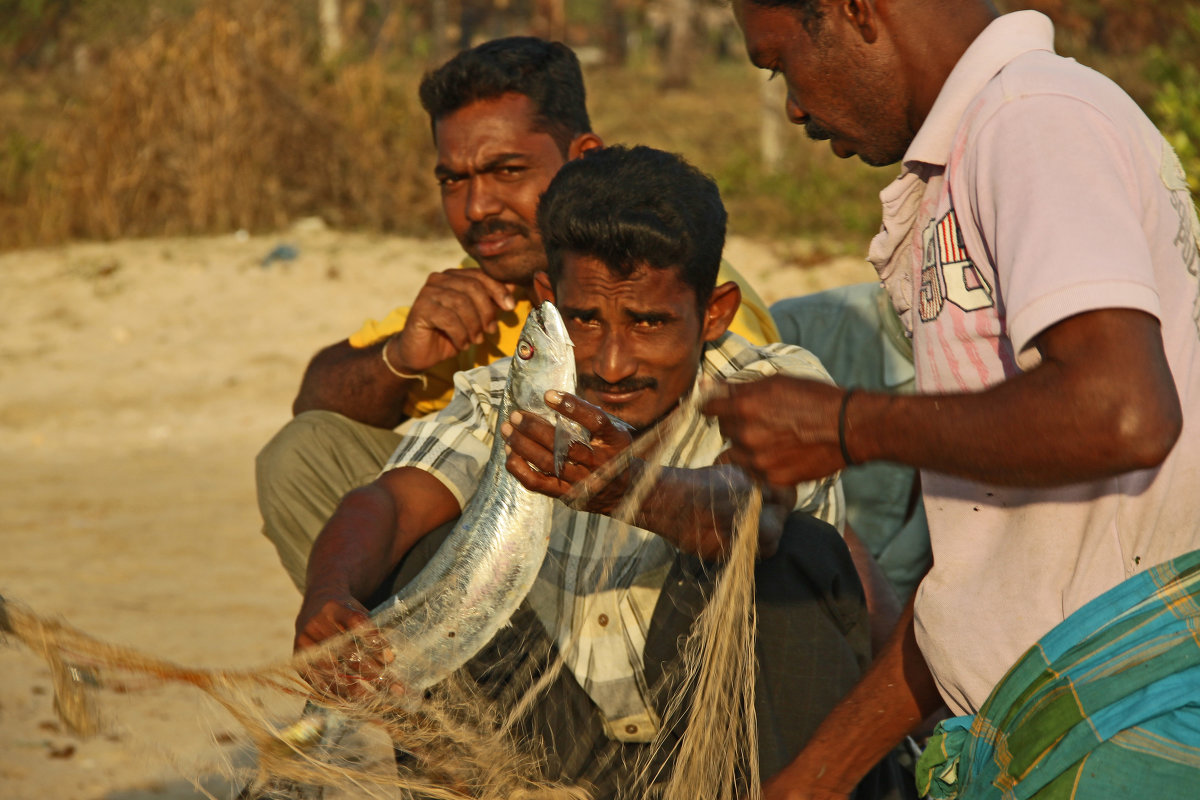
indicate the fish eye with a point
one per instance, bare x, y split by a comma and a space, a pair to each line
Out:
525, 350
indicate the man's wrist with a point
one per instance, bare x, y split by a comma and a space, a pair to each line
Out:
392, 368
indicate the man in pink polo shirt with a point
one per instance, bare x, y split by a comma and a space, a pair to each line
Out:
1040, 245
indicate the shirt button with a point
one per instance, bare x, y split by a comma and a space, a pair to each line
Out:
631, 729
603, 620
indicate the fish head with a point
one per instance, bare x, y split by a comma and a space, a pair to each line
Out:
544, 359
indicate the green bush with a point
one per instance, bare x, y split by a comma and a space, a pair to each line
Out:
1176, 103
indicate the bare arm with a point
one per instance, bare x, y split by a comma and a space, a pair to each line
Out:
1103, 394
364, 540
453, 310
694, 509
883, 607
354, 382
894, 697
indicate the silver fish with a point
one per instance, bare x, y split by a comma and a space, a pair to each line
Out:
484, 569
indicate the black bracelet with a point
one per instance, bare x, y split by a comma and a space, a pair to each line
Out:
850, 462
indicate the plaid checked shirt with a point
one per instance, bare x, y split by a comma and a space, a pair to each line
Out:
602, 578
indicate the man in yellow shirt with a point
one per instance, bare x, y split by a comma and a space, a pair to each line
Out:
505, 117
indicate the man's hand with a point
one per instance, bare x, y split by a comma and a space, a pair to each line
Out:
531, 451
453, 310
782, 430
354, 670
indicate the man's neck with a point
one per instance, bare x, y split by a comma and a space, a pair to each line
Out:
960, 25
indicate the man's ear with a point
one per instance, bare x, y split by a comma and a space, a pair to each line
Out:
582, 144
861, 14
542, 289
722, 306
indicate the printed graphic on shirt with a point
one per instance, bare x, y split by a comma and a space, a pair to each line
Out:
948, 273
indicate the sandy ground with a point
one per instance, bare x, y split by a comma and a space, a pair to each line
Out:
137, 381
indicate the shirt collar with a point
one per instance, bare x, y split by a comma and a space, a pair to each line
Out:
1007, 37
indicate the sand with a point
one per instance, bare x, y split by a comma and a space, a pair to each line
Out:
137, 381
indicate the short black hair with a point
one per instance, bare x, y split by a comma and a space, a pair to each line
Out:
811, 12
548, 73
633, 207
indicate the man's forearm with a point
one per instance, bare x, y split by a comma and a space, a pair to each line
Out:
893, 698
883, 607
696, 509
1103, 395
355, 383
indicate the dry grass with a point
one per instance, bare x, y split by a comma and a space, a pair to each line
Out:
227, 119
222, 123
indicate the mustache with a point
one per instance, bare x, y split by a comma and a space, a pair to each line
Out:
816, 131
592, 383
487, 227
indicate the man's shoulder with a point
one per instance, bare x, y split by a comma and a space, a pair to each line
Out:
753, 320
732, 358
1051, 78
490, 378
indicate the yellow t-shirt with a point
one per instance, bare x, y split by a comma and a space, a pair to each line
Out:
753, 322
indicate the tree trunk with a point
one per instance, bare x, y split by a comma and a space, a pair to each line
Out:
616, 33
677, 66
330, 16
771, 124
438, 17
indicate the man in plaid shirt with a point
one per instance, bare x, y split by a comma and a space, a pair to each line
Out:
634, 240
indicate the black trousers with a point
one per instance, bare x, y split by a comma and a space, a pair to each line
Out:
812, 646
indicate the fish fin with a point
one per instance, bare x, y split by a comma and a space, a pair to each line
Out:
620, 424
566, 433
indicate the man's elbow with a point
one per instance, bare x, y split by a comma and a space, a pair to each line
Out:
311, 396
1146, 431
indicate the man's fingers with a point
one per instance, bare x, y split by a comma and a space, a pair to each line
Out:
488, 296
455, 317
576, 408
355, 666
501, 294
534, 477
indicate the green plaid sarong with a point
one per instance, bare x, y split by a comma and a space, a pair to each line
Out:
1105, 705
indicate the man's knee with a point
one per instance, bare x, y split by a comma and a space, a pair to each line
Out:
291, 448
813, 565
319, 448
304, 471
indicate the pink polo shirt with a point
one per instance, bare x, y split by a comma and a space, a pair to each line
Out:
1034, 191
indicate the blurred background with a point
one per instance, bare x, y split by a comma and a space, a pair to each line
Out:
138, 118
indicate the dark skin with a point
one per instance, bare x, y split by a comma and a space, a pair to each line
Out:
493, 164
627, 332
648, 327
1103, 392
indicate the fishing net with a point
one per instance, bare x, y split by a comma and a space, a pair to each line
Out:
470, 736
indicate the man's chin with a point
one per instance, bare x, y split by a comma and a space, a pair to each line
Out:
511, 267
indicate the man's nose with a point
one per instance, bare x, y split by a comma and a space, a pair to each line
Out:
614, 360
482, 201
795, 114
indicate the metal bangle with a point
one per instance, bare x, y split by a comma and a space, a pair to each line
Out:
406, 376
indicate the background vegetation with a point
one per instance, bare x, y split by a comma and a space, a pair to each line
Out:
153, 117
